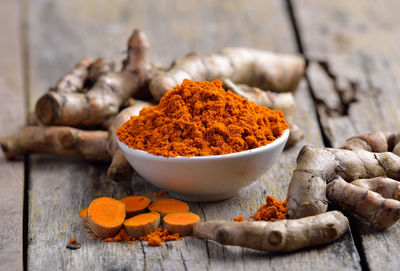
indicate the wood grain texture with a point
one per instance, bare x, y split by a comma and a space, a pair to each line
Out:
355, 76
12, 116
62, 32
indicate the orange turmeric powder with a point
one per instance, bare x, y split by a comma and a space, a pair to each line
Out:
156, 238
238, 219
271, 211
201, 119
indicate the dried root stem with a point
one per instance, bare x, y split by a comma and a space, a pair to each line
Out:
281, 236
104, 99
58, 140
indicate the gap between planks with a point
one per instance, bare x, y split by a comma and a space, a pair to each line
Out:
355, 234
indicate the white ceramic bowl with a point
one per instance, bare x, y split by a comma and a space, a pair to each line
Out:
205, 178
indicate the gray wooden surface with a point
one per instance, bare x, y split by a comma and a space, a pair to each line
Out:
353, 47
353, 75
59, 188
12, 117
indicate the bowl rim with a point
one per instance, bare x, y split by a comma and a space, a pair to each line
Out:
280, 140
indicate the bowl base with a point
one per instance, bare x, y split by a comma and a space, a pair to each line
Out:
202, 198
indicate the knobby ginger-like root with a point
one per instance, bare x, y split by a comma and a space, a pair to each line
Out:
318, 166
104, 99
135, 205
57, 140
120, 167
97, 69
142, 224
375, 142
181, 222
296, 134
75, 80
386, 187
252, 67
282, 236
282, 101
379, 212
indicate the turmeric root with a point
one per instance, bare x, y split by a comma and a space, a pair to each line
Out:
386, 187
98, 68
375, 142
142, 224
75, 80
135, 205
120, 167
181, 222
106, 216
317, 166
296, 134
280, 236
104, 99
58, 140
84, 217
244, 66
168, 206
381, 213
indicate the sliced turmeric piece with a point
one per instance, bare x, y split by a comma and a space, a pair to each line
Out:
84, 217
135, 205
142, 224
182, 222
168, 206
106, 216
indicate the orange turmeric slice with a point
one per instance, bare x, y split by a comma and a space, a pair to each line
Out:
106, 216
142, 224
84, 218
135, 205
182, 222
168, 206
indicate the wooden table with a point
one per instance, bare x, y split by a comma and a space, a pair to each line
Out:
352, 86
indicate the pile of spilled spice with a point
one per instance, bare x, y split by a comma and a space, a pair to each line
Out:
272, 210
202, 119
154, 239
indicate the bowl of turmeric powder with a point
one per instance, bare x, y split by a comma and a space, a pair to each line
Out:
203, 143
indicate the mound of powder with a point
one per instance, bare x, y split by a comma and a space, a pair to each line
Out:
201, 119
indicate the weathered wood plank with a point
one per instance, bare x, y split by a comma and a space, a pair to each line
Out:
12, 116
60, 187
355, 76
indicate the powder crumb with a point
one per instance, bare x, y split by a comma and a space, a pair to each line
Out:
160, 194
154, 239
73, 244
272, 210
238, 219
122, 236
